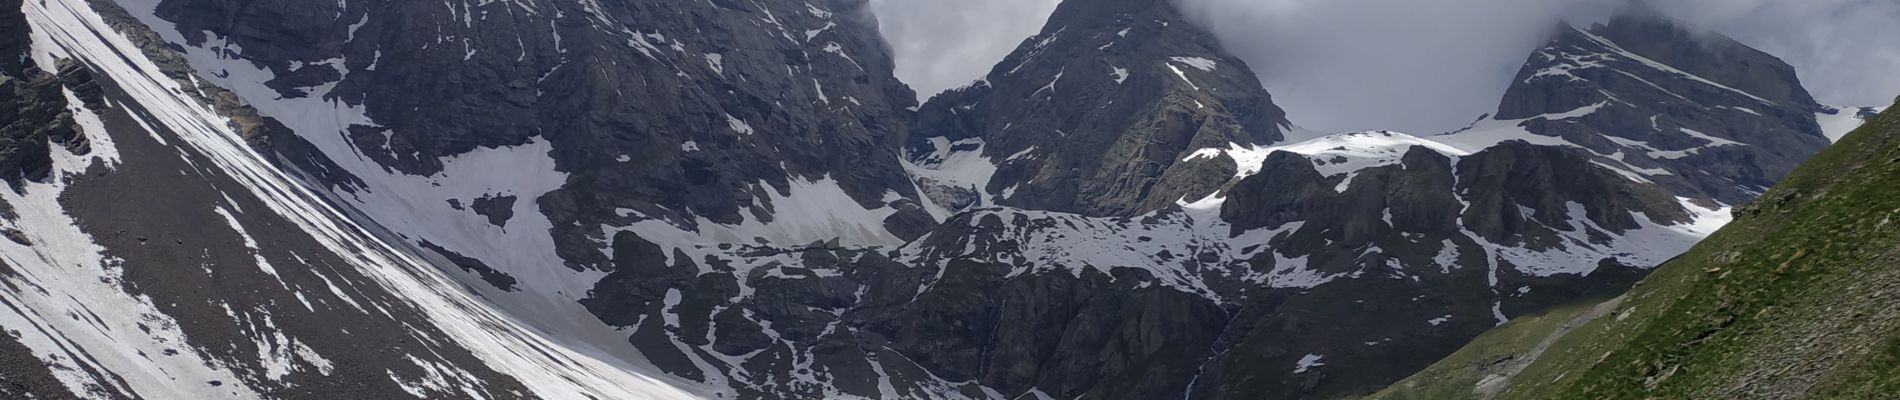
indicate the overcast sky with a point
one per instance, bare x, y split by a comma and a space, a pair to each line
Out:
1416, 66
942, 44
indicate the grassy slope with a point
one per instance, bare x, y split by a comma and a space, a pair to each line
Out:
1798, 298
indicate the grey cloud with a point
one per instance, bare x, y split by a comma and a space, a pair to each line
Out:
1411, 65
941, 44
1845, 50
1416, 66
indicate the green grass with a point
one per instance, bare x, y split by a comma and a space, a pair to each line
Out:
1496, 350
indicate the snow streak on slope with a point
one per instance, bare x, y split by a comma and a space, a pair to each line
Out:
505, 343
1356, 151
1490, 132
64, 298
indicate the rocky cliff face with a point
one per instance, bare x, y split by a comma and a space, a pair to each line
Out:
695, 113
1699, 113
1451, 243
1604, 160
33, 110
1095, 116
734, 199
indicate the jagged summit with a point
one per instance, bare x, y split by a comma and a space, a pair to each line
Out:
1709, 55
1095, 114
1697, 112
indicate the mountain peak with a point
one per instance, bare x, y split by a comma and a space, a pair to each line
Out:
1095, 114
1643, 30
1698, 112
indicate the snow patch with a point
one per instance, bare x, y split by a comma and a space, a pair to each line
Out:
1183, 75
738, 125
1307, 362
807, 211
717, 62
1199, 63
1837, 122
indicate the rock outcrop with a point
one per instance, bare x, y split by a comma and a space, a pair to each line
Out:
1097, 114
33, 110
1703, 115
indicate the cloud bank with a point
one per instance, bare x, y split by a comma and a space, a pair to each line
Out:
942, 44
1416, 66
1847, 51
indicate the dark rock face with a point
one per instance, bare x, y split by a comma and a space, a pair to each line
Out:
78, 78
28, 114
1720, 120
1500, 182
1095, 115
501, 280
982, 320
1421, 234
1092, 336
675, 111
766, 311
33, 110
498, 209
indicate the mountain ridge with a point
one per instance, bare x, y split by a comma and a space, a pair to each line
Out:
746, 234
